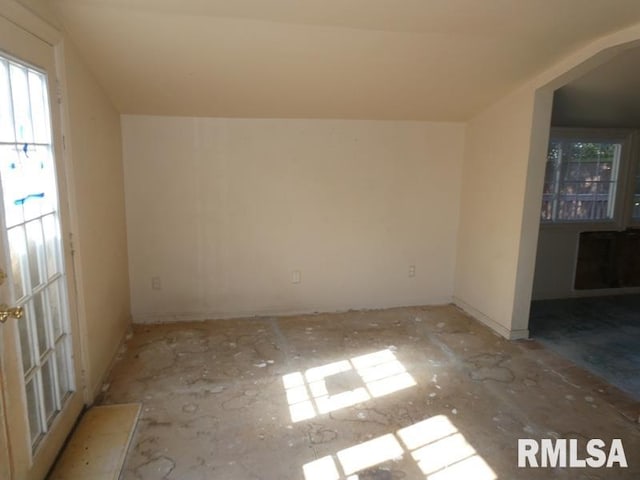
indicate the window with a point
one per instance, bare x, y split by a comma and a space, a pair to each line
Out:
581, 180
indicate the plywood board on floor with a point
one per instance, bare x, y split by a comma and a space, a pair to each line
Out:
98, 446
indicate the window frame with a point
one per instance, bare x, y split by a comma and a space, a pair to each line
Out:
633, 171
623, 195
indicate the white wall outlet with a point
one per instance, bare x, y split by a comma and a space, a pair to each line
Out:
412, 270
156, 284
296, 277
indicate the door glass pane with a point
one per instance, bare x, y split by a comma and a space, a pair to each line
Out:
17, 252
6, 116
35, 249
41, 322
64, 386
21, 104
47, 187
25, 344
33, 401
39, 108
53, 299
12, 181
49, 390
51, 240
34, 198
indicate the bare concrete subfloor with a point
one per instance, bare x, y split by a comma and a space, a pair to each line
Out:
407, 393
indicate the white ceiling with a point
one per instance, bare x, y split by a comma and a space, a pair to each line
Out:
608, 96
379, 59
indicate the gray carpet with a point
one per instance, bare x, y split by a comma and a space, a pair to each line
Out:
601, 334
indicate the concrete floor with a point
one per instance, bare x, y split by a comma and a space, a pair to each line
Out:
601, 334
387, 395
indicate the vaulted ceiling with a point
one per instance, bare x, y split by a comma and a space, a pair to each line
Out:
607, 96
379, 59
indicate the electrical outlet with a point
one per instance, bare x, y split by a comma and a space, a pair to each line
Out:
295, 276
412, 270
156, 284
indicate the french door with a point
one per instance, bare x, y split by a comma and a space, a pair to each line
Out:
40, 353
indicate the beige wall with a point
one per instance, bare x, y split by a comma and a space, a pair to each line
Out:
555, 263
493, 184
96, 181
223, 211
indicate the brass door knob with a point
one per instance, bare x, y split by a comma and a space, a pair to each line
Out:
7, 312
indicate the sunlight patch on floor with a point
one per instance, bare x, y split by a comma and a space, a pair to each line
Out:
435, 444
442, 452
308, 395
369, 453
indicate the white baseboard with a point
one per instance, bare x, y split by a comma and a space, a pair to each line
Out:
152, 318
173, 317
489, 322
93, 393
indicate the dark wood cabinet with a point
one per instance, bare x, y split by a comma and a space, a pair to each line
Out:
608, 260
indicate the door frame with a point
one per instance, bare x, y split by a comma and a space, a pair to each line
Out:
75, 284
5, 447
